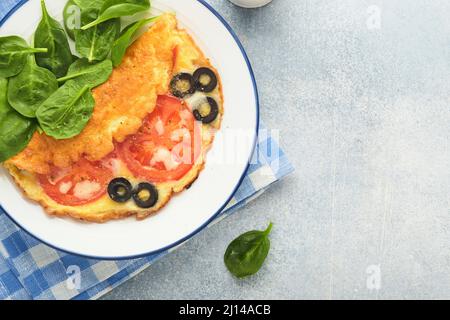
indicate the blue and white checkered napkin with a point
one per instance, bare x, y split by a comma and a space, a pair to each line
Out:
31, 270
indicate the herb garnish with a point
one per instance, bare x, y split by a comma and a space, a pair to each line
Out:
246, 254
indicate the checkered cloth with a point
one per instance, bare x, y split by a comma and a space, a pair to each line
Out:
31, 270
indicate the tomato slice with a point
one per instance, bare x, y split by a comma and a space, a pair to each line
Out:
81, 184
167, 145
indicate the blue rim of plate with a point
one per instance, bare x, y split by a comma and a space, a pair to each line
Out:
213, 217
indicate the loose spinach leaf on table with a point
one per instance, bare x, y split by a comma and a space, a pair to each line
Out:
67, 111
50, 34
118, 8
246, 254
125, 39
32, 86
16, 131
86, 73
95, 43
14, 52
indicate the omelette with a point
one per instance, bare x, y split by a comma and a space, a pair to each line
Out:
152, 125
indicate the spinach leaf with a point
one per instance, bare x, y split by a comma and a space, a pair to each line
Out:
95, 43
67, 111
30, 88
13, 55
246, 254
50, 34
118, 8
122, 43
86, 73
85, 4
16, 131
72, 18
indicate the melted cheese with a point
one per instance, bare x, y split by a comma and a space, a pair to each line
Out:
86, 189
65, 187
163, 155
159, 126
114, 165
181, 134
58, 175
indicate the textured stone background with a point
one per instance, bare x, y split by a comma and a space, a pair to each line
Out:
363, 112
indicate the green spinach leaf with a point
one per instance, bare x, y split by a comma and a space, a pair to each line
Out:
16, 131
86, 73
13, 55
122, 43
246, 254
30, 88
85, 4
95, 43
50, 34
118, 8
67, 111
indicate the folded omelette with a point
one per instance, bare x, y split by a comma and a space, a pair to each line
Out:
153, 123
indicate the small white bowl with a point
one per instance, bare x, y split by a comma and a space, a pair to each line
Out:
250, 3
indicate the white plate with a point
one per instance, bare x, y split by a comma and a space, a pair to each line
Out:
192, 210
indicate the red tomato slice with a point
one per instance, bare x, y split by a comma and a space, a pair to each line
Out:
167, 145
84, 183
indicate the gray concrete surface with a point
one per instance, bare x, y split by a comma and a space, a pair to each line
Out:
363, 108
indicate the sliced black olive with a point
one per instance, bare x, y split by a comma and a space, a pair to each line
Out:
145, 195
120, 190
182, 85
205, 80
210, 104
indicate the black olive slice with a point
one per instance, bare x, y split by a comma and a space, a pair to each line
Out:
205, 80
120, 190
145, 195
182, 85
213, 111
